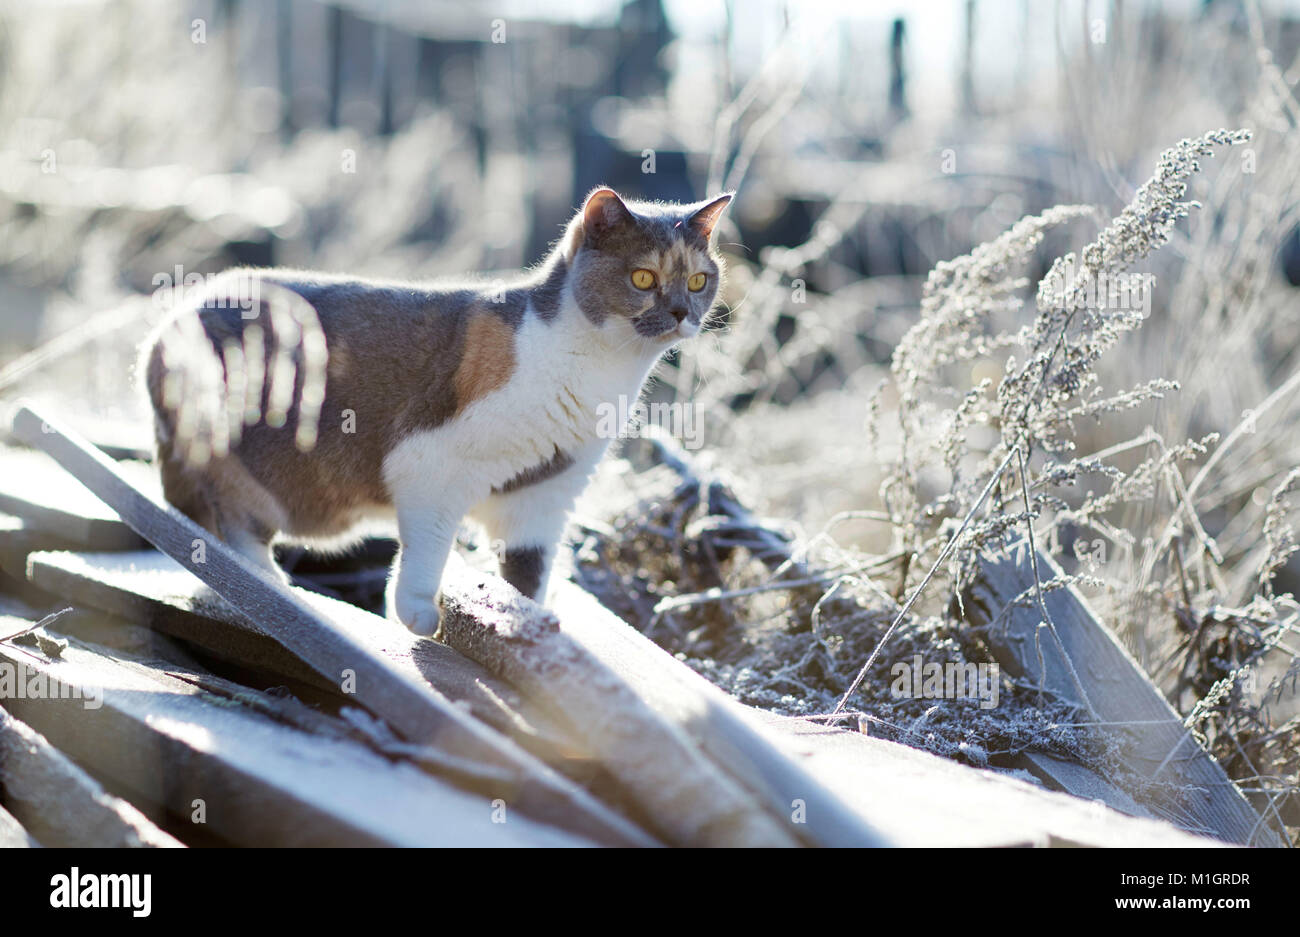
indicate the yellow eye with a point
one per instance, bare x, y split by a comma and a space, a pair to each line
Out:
643, 279
696, 282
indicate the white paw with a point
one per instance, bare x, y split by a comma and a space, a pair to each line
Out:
418, 612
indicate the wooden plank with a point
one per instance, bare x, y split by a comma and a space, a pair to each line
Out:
19, 538
922, 800
691, 755
153, 590
122, 440
1184, 783
48, 499
1082, 782
688, 799
59, 803
729, 732
411, 706
12, 834
174, 748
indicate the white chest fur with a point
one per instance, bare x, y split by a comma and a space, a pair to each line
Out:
567, 374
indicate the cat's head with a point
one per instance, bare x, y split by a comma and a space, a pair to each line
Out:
649, 266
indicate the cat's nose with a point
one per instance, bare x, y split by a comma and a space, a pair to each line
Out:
677, 313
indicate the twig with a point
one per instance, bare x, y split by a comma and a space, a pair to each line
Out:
1038, 590
1245, 427
48, 619
675, 602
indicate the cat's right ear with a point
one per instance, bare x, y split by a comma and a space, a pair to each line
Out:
602, 213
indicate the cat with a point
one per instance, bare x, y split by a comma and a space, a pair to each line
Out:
448, 401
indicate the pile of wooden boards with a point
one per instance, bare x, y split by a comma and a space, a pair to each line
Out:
186, 699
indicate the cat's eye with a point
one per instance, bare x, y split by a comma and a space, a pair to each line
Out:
643, 279
696, 282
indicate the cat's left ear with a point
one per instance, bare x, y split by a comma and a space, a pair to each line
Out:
705, 218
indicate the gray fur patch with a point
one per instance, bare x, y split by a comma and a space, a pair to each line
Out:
403, 345
548, 293
537, 473
522, 567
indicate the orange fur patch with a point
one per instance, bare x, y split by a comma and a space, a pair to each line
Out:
487, 361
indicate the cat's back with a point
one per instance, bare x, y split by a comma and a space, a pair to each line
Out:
372, 329
338, 302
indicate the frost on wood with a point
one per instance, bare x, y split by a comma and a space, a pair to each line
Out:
59, 803
691, 800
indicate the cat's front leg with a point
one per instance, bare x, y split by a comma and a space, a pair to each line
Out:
428, 516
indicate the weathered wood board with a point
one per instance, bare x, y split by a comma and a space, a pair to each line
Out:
147, 587
256, 781
59, 803
666, 736
411, 706
47, 499
920, 799
728, 731
1081, 781
1184, 783
123, 440
689, 800
18, 538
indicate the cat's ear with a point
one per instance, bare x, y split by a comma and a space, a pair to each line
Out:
603, 212
705, 218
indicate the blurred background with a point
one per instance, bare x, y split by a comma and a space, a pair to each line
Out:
422, 138
146, 142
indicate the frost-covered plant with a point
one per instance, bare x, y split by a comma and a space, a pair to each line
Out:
1278, 534
1049, 386
1049, 380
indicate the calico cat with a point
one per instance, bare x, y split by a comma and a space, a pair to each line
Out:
442, 401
